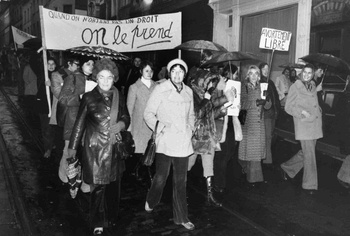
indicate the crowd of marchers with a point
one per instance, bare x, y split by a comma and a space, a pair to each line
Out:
93, 100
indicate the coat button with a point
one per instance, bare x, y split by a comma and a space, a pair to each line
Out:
106, 98
108, 118
108, 108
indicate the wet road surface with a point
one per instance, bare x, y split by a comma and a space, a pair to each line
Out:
273, 208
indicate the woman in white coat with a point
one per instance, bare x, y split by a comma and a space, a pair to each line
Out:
138, 95
302, 104
171, 104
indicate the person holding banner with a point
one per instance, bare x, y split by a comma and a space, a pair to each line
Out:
283, 84
252, 149
74, 86
271, 109
226, 132
302, 104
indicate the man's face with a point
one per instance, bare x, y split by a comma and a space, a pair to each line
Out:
308, 73
73, 66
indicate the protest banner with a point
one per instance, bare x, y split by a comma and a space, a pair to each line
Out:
19, 36
152, 32
275, 39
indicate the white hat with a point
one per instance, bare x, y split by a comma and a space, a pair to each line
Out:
177, 61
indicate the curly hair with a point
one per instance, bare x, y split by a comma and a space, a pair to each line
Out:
105, 64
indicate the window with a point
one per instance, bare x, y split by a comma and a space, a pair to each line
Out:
230, 21
68, 9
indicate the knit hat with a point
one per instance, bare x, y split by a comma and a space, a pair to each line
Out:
177, 62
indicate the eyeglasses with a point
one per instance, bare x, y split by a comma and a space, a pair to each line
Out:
76, 63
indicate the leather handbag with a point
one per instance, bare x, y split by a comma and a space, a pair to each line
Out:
125, 145
242, 116
148, 156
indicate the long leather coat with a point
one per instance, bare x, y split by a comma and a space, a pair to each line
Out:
99, 163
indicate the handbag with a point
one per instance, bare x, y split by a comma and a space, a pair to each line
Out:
242, 116
148, 156
125, 145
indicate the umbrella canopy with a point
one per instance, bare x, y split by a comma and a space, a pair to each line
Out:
292, 65
199, 45
98, 51
230, 56
333, 63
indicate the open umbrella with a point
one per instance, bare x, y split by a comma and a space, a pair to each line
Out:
331, 62
99, 51
230, 56
292, 65
199, 45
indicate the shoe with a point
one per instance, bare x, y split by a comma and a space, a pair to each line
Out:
283, 174
218, 189
98, 231
310, 191
147, 208
188, 225
47, 154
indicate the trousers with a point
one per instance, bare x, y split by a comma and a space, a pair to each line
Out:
305, 158
180, 165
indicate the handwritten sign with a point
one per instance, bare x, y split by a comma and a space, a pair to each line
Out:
62, 31
275, 39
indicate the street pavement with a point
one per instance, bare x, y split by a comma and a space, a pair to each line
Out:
275, 207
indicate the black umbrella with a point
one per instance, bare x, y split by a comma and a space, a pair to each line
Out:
99, 51
331, 62
230, 56
199, 45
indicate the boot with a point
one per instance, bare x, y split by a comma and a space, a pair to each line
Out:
211, 199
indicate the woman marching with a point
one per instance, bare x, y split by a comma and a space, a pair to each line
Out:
252, 148
171, 105
208, 99
138, 96
102, 115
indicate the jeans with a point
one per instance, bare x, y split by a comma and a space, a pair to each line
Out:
180, 165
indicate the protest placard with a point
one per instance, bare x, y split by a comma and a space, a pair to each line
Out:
233, 106
62, 31
275, 39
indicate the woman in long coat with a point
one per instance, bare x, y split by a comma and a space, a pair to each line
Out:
102, 115
252, 148
138, 96
302, 104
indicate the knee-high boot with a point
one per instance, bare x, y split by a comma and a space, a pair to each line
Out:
211, 199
